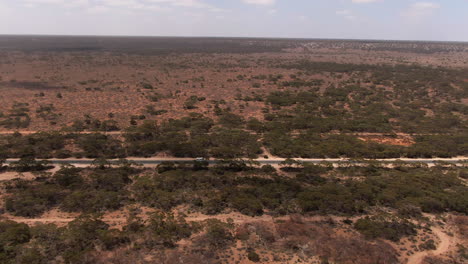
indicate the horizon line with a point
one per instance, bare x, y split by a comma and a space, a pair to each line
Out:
237, 37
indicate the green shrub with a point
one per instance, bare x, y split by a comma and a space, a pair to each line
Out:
33, 200
253, 256
30, 164
393, 229
247, 204
166, 230
218, 235
12, 236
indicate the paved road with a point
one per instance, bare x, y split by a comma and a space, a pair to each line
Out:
30, 132
156, 161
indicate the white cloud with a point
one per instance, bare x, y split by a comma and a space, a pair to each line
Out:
120, 2
347, 14
129, 4
69, 3
365, 1
343, 12
97, 10
3, 9
425, 5
420, 10
272, 11
188, 4
101, 5
259, 2
45, 1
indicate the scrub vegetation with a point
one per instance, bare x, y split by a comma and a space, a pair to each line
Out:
224, 105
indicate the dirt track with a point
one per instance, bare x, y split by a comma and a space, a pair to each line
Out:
443, 247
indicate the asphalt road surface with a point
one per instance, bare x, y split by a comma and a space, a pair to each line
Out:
156, 161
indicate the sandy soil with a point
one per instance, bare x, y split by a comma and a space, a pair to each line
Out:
11, 175
117, 219
99, 83
445, 244
405, 141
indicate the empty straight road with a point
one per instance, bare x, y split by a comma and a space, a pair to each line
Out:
156, 161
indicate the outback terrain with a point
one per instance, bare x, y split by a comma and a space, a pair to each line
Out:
234, 102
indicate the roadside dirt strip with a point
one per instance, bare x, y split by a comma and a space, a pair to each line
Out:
462, 161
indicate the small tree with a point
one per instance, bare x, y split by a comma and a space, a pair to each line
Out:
233, 165
200, 165
290, 164
252, 255
101, 163
2, 161
218, 234
127, 164
30, 164
166, 166
165, 229
12, 236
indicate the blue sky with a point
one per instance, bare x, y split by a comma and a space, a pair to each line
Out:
356, 19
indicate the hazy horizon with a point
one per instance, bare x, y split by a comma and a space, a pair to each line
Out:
233, 37
401, 20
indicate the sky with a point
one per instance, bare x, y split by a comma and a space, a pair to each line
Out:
440, 20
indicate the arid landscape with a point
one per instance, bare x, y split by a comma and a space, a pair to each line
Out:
241, 115
128, 76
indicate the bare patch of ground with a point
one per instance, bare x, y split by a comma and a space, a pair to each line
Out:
11, 175
400, 140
